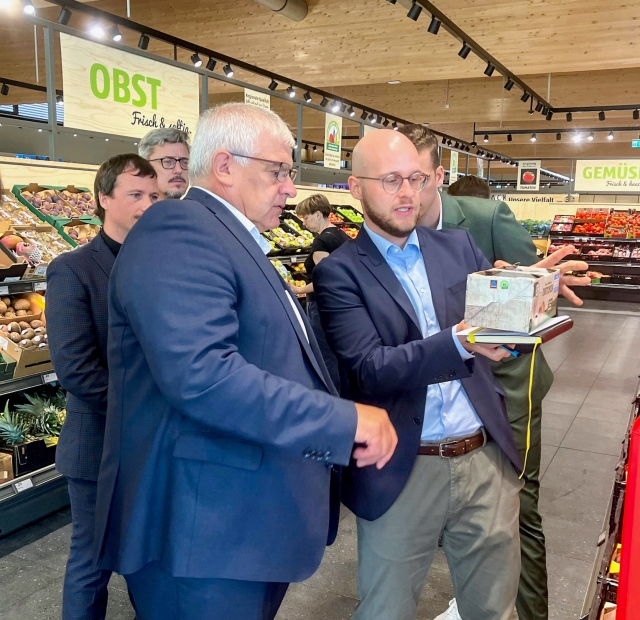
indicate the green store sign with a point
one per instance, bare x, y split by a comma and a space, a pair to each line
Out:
608, 175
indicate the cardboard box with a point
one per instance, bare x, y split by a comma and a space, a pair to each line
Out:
6, 468
27, 362
517, 300
30, 456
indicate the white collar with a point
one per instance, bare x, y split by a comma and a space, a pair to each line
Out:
439, 226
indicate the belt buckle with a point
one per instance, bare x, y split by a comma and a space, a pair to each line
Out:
441, 448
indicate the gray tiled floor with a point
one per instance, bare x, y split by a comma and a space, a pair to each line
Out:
585, 416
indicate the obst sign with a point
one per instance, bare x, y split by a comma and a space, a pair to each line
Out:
123, 87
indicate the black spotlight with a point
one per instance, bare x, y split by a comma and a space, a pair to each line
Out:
325, 102
449, 143
211, 64
414, 12
509, 138
115, 33
59, 99
273, 85
64, 17
4, 90
545, 111
549, 115
636, 115
394, 126
143, 43
525, 96
351, 111
291, 91
196, 60
474, 144
386, 122
601, 116
379, 120
434, 26
509, 84
456, 146
486, 137
569, 117
489, 70
372, 118
558, 136
228, 70
538, 107
464, 51
363, 116
444, 140
307, 97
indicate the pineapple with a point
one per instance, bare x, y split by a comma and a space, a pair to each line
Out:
44, 417
13, 429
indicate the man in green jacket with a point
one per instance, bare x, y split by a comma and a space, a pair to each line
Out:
497, 233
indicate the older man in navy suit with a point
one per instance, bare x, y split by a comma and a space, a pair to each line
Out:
223, 423
391, 304
77, 286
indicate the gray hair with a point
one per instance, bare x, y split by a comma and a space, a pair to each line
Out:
233, 127
160, 137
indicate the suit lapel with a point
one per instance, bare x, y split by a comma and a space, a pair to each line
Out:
374, 261
452, 214
435, 274
102, 254
235, 227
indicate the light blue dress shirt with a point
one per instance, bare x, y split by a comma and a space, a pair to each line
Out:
448, 411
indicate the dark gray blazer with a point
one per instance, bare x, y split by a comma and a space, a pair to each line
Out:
77, 324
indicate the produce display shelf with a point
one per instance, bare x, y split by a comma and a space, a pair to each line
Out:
23, 286
24, 383
28, 498
288, 260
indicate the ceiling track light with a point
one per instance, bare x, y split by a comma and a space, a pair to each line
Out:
143, 42
457, 145
363, 116
394, 126
96, 31
386, 122
569, 117
601, 116
534, 138
558, 136
434, 26
272, 85
4, 90
636, 115
449, 142
577, 137
610, 136
343, 108
509, 84
115, 33
307, 97
335, 106
64, 17
196, 60
489, 70
545, 111
414, 12
525, 96
306, 146
379, 119
549, 115
465, 50
291, 91
211, 64
59, 100
351, 111
538, 107
590, 137
474, 144
444, 140
486, 138
372, 119
27, 7
509, 138
228, 70
315, 148
325, 102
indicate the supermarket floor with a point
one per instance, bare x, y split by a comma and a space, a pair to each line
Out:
585, 417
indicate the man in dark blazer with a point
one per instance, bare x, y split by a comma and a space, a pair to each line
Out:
223, 423
77, 285
391, 304
498, 234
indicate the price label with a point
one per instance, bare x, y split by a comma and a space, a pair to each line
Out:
40, 286
49, 377
294, 259
41, 270
23, 485
4, 343
4, 290
12, 279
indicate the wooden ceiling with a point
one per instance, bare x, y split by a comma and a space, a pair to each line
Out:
590, 49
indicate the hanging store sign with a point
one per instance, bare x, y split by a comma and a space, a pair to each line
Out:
608, 175
112, 91
528, 176
259, 100
332, 141
453, 167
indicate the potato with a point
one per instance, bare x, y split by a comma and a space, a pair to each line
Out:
14, 327
6, 301
28, 333
36, 324
4, 328
25, 343
11, 309
9, 315
21, 313
37, 339
3, 307
15, 337
40, 330
24, 325
22, 304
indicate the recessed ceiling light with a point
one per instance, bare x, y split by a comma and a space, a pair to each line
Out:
394, 82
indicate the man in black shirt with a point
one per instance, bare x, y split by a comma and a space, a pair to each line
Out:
315, 212
77, 284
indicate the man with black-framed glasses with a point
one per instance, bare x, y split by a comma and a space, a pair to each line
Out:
167, 150
391, 304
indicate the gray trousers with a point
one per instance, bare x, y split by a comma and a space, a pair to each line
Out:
472, 503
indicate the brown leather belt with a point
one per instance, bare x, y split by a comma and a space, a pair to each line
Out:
455, 448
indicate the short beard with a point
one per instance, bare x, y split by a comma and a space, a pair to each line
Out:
172, 195
385, 224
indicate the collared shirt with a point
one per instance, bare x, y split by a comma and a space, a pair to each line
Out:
439, 226
261, 241
448, 410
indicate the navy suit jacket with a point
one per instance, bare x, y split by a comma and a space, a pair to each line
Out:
372, 327
77, 324
223, 422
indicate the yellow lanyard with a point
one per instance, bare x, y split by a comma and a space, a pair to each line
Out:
531, 371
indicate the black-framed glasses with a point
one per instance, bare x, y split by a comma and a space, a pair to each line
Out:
284, 171
169, 163
393, 182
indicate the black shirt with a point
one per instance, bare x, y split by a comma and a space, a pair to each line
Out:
328, 240
114, 246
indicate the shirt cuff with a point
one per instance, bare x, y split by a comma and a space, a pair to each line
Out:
464, 354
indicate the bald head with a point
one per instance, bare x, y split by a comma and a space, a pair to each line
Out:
374, 155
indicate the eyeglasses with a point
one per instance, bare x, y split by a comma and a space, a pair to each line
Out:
169, 163
393, 182
283, 172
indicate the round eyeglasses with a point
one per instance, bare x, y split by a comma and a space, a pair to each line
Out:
392, 183
169, 163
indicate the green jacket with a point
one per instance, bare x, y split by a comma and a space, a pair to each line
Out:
497, 233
